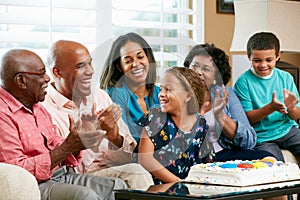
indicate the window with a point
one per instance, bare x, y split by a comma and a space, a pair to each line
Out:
171, 27
36, 24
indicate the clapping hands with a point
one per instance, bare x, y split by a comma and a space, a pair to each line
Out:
290, 101
108, 119
87, 130
220, 102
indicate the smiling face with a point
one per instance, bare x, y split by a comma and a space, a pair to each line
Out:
37, 81
73, 71
173, 97
204, 66
263, 61
134, 63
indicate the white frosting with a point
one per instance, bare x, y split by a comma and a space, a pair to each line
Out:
212, 173
205, 190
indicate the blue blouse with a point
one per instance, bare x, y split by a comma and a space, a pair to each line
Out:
131, 111
174, 149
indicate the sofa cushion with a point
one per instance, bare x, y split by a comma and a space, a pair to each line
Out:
17, 183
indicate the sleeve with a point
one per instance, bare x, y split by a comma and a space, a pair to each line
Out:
54, 140
292, 87
13, 149
245, 136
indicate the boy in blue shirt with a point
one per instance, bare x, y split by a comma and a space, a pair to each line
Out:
269, 97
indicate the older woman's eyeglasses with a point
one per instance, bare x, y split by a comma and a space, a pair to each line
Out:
204, 69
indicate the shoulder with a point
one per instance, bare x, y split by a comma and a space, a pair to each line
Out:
119, 92
152, 116
244, 76
156, 89
101, 98
102, 93
231, 92
42, 111
282, 73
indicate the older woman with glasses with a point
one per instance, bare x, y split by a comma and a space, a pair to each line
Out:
229, 129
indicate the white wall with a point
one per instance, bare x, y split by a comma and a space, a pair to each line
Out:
240, 63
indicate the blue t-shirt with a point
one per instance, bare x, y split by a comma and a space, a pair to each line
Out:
131, 111
255, 92
175, 149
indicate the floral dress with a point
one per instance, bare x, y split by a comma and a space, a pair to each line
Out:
175, 149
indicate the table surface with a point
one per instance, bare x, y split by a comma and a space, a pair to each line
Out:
185, 191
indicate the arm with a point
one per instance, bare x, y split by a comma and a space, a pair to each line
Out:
82, 136
108, 119
118, 150
28, 142
111, 113
245, 135
261, 113
146, 159
227, 124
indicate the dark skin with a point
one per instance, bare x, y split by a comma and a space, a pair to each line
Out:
24, 77
72, 73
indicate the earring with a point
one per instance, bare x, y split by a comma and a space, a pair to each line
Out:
214, 82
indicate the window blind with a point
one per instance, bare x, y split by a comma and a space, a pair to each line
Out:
171, 27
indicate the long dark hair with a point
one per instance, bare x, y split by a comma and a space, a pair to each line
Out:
112, 72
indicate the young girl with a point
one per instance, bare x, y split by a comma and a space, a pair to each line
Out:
174, 138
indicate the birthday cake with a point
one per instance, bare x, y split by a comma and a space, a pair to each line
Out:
243, 173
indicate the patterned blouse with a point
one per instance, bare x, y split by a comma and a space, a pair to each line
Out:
175, 149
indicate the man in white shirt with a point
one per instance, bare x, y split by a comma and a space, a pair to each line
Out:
71, 94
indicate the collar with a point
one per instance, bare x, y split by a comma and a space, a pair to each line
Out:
59, 99
12, 102
263, 77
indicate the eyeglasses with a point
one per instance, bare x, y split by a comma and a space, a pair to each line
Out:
204, 69
41, 74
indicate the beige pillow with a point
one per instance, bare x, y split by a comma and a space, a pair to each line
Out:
17, 183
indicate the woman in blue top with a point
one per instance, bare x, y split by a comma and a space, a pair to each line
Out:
129, 76
174, 138
230, 131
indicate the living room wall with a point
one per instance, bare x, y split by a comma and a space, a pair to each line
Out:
219, 29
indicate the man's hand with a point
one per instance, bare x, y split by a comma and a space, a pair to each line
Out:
108, 121
89, 130
77, 141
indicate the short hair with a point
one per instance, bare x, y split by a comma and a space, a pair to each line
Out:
191, 82
219, 57
10, 62
263, 41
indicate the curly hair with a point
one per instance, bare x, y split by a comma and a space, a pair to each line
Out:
191, 82
219, 57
